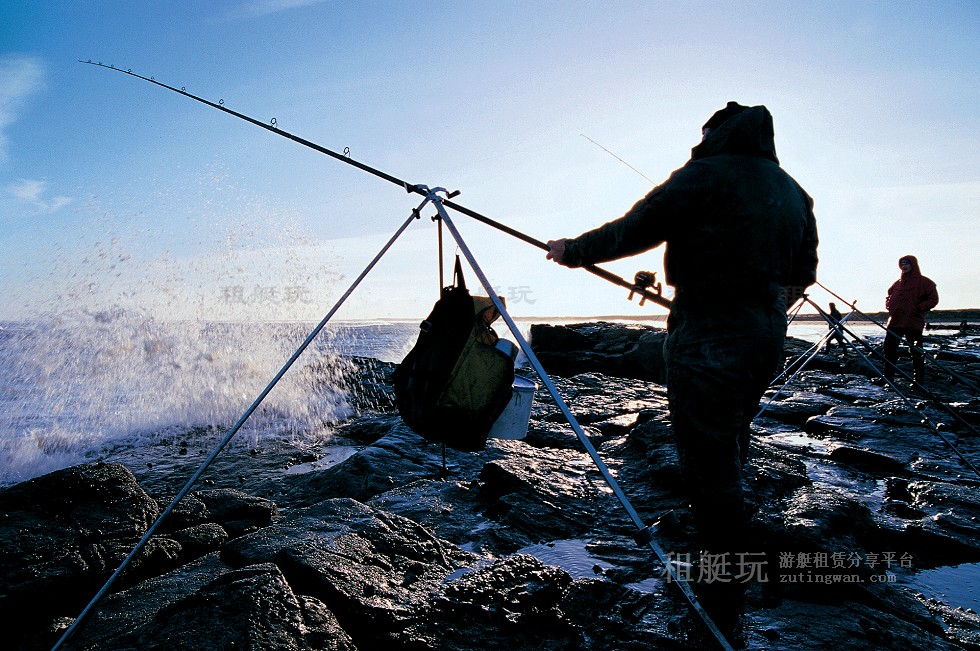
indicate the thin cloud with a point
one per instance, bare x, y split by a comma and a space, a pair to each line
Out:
35, 193
266, 7
20, 77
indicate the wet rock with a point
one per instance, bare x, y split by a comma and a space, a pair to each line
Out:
511, 604
207, 605
772, 478
398, 458
613, 617
252, 607
952, 517
65, 533
201, 539
368, 383
560, 338
389, 549
962, 625
799, 407
520, 495
542, 494
61, 536
646, 462
369, 429
645, 358
372, 569
603, 405
620, 350
860, 393
221, 514
123, 613
546, 434
189, 512
570, 363
845, 626
236, 511
884, 441
815, 516
867, 458
452, 509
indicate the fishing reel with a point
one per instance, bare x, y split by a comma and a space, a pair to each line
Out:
642, 281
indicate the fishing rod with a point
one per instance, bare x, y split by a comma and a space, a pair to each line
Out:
796, 308
803, 360
638, 286
814, 349
924, 420
887, 364
618, 158
925, 354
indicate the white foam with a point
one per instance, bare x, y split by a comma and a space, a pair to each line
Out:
82, 383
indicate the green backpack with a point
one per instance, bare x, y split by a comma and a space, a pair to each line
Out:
453, 385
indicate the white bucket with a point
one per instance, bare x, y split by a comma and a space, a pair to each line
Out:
512, 423
508, 348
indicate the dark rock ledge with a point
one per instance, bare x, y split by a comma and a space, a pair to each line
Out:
380, 551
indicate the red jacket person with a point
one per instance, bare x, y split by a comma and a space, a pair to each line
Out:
909, 299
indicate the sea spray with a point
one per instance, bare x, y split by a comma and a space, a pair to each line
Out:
84, 383
165, 317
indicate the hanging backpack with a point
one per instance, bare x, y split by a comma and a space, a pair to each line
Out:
454, 383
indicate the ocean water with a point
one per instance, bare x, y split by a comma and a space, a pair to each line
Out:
75, 387
78, 385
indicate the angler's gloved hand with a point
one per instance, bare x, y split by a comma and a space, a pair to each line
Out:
556, 251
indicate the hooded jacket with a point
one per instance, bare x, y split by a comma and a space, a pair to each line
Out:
910, 297
730, 217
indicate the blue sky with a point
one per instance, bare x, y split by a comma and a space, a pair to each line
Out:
115, 193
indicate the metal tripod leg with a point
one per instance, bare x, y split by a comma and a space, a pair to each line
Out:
644, 533
806, 357
952, 446
227, 438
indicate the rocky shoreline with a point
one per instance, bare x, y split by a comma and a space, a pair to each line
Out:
368, 543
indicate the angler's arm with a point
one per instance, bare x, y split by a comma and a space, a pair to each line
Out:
642, 228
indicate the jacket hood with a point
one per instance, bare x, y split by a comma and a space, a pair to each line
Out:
915, 264
749, 132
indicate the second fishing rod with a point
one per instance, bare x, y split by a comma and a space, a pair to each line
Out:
640, 285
